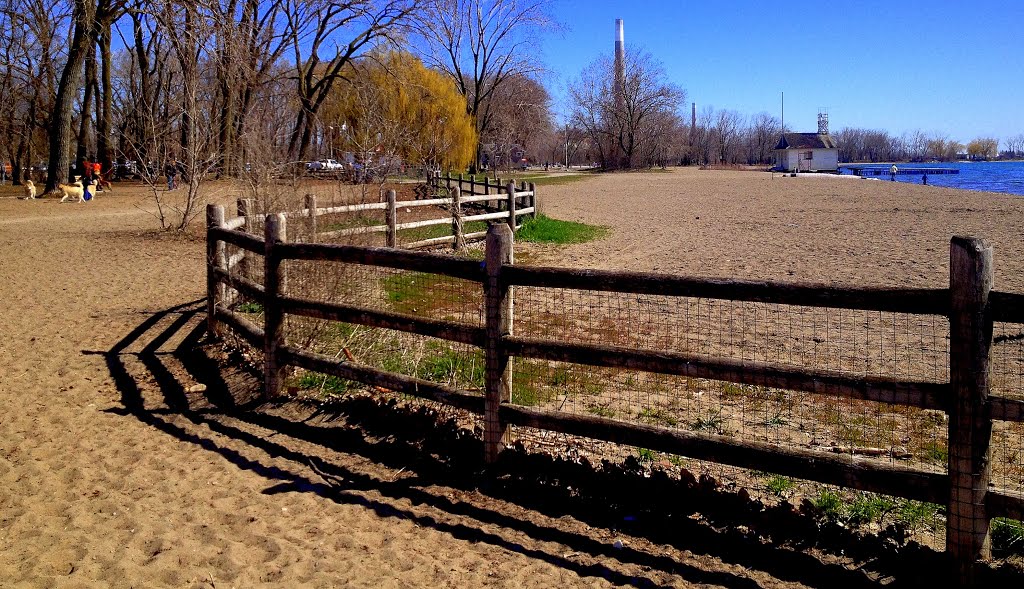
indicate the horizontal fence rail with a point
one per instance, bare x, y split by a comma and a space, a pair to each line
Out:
969, 305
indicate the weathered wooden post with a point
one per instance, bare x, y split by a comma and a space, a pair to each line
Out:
247, 212
498, 365
459, 244
970, 424
472, 184
310, 205
214, 259
275, 284
391, 219
512, 205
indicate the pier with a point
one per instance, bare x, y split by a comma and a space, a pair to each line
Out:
877, 170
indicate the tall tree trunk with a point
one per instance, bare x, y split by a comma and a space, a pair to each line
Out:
85, 143
104, 118
67, 88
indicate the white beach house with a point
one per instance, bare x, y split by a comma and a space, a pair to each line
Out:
806, 152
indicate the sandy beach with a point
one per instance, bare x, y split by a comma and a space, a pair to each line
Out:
120, 468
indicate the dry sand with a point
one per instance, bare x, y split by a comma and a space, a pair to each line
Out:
106, 482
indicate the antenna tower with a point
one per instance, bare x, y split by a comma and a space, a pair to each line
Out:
822, 121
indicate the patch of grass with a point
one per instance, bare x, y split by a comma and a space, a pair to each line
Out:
712, 422
915, 514
601, 410
557, 180
830, 504
677, 460
731, 389
350, 223
776, 419
418, 293
249, 307
777, 485
646, 455
868, 508
656, 416
324, 382
453, 367
544, 229
560, 377
936, 452
1008, 535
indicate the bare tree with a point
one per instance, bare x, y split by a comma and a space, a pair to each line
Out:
634, 126
481, 45
351, 27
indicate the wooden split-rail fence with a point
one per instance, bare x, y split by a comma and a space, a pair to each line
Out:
969, 303
509, 204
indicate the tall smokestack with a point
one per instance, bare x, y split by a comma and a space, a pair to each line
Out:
620, 62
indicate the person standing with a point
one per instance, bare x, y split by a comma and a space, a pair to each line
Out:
892, 172
96, 169
170, 170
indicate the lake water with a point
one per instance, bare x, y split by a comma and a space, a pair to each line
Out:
992, 176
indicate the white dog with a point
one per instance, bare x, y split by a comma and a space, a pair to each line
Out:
76, 190
30, 190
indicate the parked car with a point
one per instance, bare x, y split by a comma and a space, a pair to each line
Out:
330, 165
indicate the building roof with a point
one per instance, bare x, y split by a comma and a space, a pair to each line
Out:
806, 141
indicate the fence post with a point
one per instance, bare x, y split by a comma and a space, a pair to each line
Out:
310, 205
457, 230
512, 205
214, 258
391, 218
533, 200
499, 301
246, 211
273, 317
472, 184
970, 425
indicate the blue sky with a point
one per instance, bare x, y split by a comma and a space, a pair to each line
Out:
955, 68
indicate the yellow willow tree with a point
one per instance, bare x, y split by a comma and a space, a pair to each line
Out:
397, 111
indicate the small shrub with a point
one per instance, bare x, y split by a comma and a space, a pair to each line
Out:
867, 508
1008, 535
646, 455
830, 504
777, 485
250, 307
936, 452
916, 514
712, 422
324, 382
601, 410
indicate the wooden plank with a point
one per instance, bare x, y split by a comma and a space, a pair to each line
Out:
912, 301
355, 231
448, 330
477, 198
236, 223
485, 217
427, 202
425, 223
249, 288
371, 206
1002, 503
1005, 409
1007, 307
398, 383
388, 258
237, 238
526, 211
874, 476
914, 394
446, 239
248, 330
970, 427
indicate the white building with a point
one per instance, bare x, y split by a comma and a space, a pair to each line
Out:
806, 152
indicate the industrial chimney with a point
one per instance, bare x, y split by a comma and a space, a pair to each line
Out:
620, 63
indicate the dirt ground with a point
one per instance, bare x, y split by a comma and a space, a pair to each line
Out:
125, 463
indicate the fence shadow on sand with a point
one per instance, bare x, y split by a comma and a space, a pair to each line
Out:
326, 450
